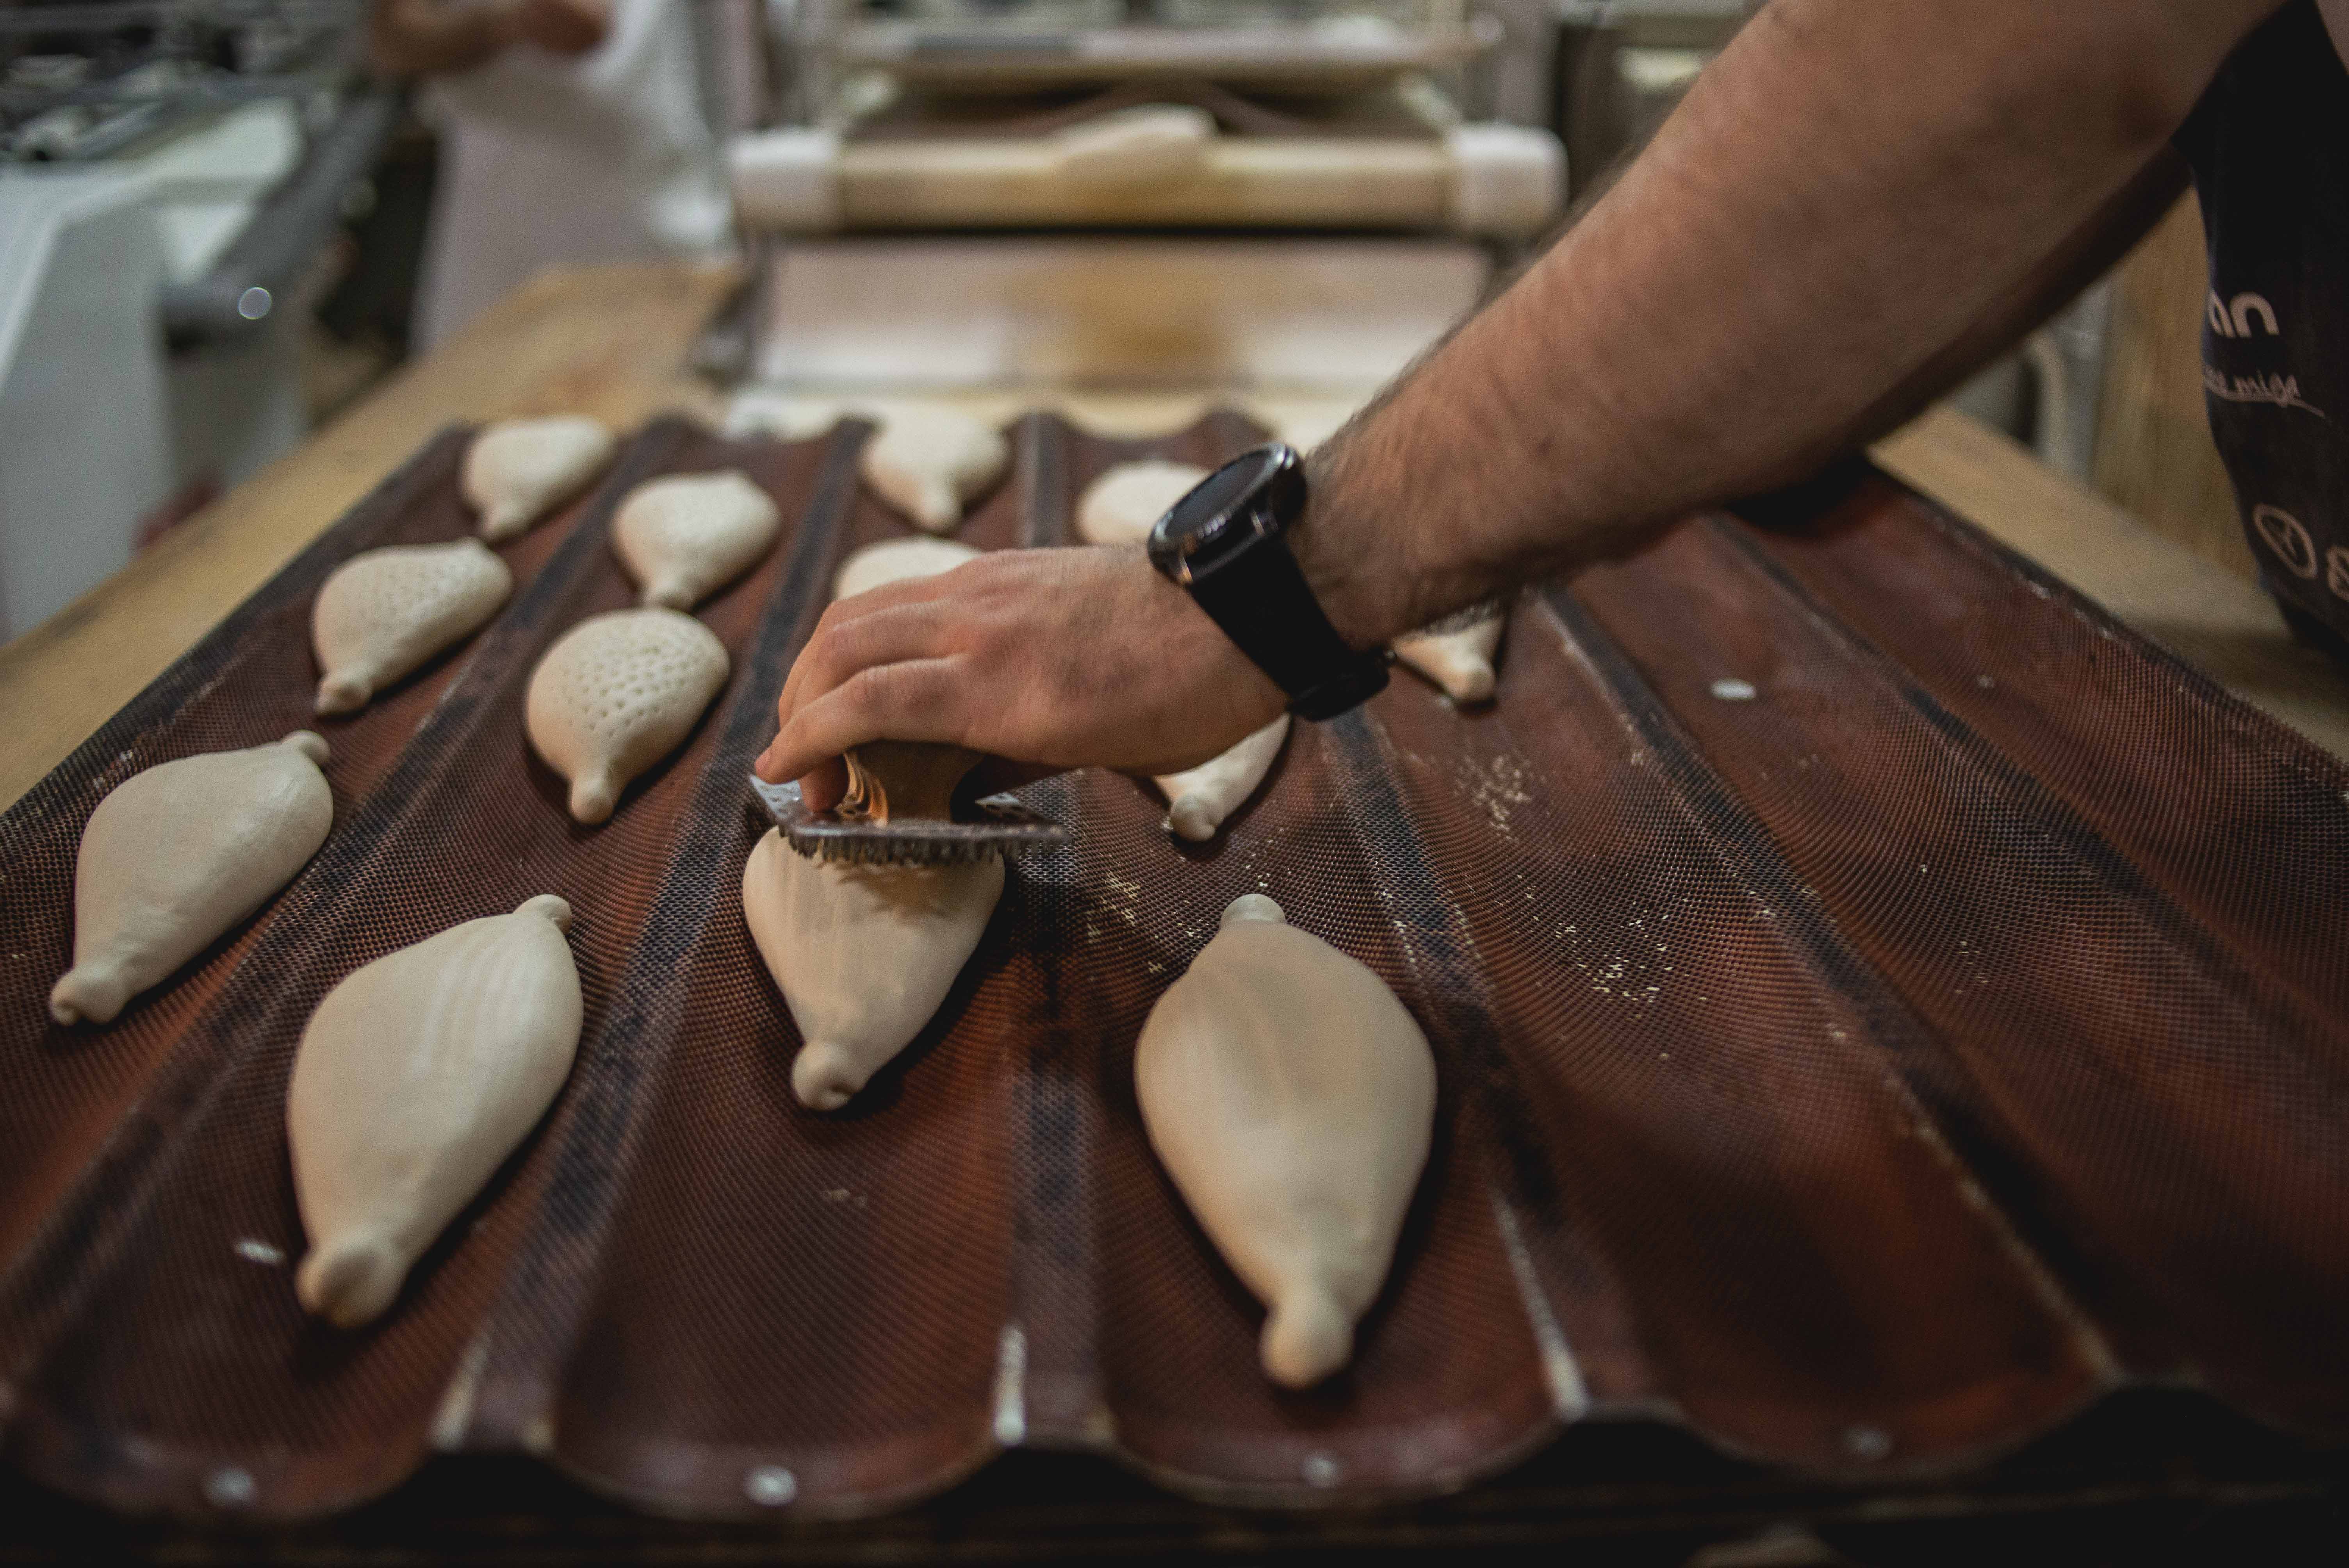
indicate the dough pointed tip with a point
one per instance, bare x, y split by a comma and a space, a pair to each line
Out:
349, 1282
342, 693
87, 993
1252, 906
824, 1076
1194, 818
502, 523
593, 796
937, 508
310, 744
1306, 1339
547, 906
1470, 682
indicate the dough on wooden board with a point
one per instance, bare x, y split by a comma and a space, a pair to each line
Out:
176, 855
1459, 660
384, 611
897, 561
1291, 1099
518, 471
1125, 503
1127, 148
928, 461
864, 954
615, 695
684, 536
1199, 798
417, 1076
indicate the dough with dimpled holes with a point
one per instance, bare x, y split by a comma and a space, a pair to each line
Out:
518, 471
384, 611
684, 536
1125, 503
616, 694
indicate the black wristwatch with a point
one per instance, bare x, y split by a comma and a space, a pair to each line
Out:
1223, 541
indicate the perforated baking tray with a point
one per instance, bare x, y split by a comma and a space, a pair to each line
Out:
1880, 1004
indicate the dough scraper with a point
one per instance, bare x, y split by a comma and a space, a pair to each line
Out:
905, 806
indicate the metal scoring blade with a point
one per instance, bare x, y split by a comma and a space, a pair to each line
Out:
1006, 828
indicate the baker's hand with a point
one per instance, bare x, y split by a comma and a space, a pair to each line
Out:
563, 27
1053, 659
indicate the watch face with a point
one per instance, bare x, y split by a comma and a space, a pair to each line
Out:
1197, 520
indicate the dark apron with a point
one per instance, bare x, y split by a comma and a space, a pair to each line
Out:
2269, 147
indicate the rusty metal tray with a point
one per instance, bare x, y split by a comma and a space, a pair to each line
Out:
1865, 1073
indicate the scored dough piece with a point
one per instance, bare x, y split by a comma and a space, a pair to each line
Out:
685, 536
417, 1076
864, 954
1460, 661
615, 695
928, 461
897, 561
176, 855
1291, 1099
1148, 144
384, 611
1199, 798
1125, 503
518, 471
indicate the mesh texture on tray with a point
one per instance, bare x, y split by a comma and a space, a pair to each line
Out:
1867, 1072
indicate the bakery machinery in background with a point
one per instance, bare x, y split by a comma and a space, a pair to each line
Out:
170, 172
1260, 205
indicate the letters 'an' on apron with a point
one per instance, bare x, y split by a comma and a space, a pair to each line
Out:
2269, 147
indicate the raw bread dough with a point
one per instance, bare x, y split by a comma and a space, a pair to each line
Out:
685, 536
863, 954
417, 1076
1125, 503
1460, 661
518, 471
176, 855
1199, 798
615, 695
928, 460
899, 561
1291, 1099
1149, 144
387, 611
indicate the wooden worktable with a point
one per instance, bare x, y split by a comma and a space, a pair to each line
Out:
610, 341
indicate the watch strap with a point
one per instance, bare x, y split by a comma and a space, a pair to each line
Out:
1270, 611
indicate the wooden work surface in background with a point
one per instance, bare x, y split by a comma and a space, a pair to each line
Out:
611, 340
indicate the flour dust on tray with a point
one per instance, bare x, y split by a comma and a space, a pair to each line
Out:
176, 855
899, 561
384, 611
417, 1076
518, 471
1199, 798
684, 536
1125, 503
929, 461
864, 954
615, 695
1291, 1099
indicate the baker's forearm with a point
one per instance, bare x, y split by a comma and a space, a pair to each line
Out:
1845, 193
429, 37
